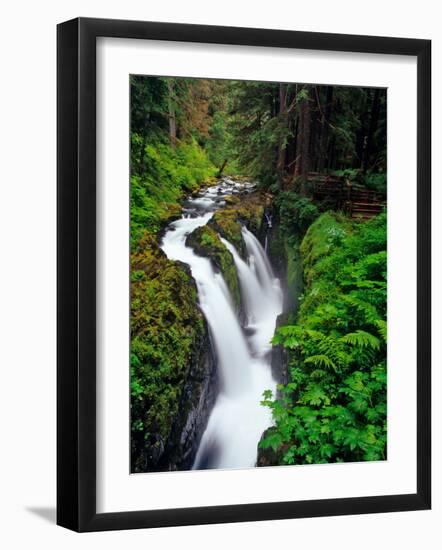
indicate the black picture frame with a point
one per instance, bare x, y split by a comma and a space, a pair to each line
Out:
76, 274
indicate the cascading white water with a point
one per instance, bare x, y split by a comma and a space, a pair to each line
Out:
260, 260
237, 420
230, 346
261, 292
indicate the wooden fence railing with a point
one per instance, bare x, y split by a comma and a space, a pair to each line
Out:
355, 200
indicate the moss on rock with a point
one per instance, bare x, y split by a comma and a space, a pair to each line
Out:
323, 235
167, 332
206, 242
245, 210
225, 223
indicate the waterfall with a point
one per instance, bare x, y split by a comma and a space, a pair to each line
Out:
230, 346
237, 420
263, 302
260, 259
250, 286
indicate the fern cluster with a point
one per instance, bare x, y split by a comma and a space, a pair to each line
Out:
333, 408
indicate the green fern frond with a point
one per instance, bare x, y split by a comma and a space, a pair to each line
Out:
289, 336
369, 311
362, 339
321, 360
382, 329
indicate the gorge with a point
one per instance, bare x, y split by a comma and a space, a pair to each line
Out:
241, 343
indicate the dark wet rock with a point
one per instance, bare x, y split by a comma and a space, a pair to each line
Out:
249, 331
279, 360
268, 457
196, 403
172, 392
209, 458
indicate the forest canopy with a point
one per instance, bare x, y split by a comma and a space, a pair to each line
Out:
275, 132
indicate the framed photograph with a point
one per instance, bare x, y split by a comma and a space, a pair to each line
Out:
243, 274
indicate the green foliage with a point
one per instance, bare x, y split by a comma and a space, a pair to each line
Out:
362, 339
296, 213
166, 327
148, 104
255, 128
184, 131
333, 408
219, 146
352, 174
168, 174
376, 181
345, 129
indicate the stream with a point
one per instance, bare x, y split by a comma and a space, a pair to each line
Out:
243, 353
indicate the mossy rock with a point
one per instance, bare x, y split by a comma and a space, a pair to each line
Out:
206, 242
232, 199
240, 178
245, 210
225, 223
322, 236
170, 212
167, 327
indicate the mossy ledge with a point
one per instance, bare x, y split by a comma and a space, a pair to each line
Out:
244, 209
206, 242
241, 210
172, 366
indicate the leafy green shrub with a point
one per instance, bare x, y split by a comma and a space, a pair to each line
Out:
352, 174
296, 213
376, 181
333, 408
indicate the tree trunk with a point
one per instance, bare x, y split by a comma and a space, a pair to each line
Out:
371, 130
303, 145
172, 115
221, 169
280, 165
361, 132
325, 121
144, 143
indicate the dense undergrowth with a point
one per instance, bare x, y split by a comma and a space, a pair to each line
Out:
333, 408
167, 175
166, 324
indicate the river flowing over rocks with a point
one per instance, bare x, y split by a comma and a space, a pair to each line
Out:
240, 340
